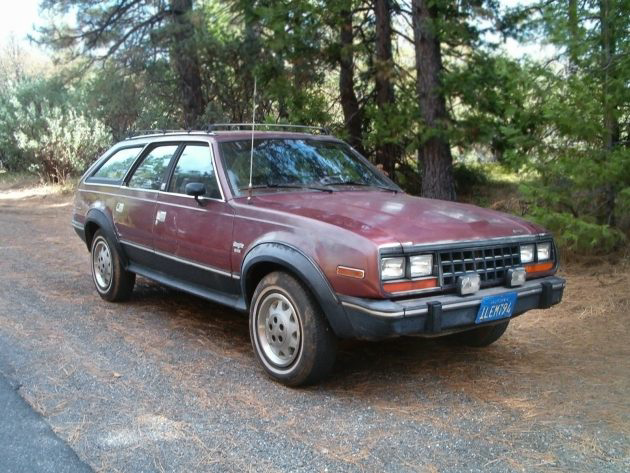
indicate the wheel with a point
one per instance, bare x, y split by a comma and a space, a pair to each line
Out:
113, 283
290, 335
480, 337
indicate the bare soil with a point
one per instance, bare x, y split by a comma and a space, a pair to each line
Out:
168, 382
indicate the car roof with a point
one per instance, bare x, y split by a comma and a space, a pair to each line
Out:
222, 135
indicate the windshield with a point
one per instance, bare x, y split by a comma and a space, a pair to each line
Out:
302, 163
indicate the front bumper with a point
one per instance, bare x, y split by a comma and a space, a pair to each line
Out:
433, 316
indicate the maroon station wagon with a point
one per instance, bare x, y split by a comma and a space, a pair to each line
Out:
310, 239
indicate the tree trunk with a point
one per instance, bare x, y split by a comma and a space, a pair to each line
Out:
609, 97
386, 154
435, 151
186, 64
573, 32
349, 103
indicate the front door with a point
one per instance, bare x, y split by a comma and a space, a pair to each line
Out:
134, 210
194, 237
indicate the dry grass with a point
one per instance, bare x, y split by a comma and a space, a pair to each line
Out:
16, 186
563, 368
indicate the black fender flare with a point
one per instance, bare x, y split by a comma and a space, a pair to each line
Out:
302, 266
105, 224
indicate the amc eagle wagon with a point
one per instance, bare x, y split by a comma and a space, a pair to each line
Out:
300, 231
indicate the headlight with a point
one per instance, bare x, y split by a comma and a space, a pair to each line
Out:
421, 265
544, 251
392, 268
527, 253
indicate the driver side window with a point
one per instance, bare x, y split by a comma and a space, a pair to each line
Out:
195, 165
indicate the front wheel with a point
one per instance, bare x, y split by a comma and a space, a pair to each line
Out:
290, 335
113, 283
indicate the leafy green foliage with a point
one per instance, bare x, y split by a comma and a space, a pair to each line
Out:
43, 133
578, 143
59, 143
561, 123
579, 235
468, 178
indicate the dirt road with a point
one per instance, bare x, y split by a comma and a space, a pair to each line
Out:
169, 382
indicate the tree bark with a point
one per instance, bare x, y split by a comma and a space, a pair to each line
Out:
386, 154
186, 63
434, 153
573, 32
349, 103
609, 97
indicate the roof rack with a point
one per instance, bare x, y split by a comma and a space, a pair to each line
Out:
248, 126
138, 133
231, 126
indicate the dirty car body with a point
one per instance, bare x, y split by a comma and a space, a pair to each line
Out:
372, 261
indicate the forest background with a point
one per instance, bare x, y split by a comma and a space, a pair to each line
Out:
519, 105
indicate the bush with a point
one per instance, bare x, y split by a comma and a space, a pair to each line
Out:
469, 177
57, 142
43, 130
578, 235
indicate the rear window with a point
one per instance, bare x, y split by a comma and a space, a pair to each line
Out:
117, 165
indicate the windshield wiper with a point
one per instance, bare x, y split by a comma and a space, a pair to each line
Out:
363, 184
275, 185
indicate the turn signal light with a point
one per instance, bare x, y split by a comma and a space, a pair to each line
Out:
350, 272
539, 267
405, 286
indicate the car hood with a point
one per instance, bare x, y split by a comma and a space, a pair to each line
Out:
385, 217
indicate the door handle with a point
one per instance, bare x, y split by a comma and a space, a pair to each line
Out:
160, 216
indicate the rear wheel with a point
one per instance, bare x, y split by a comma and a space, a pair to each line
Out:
480, 337
290, 335
113, 283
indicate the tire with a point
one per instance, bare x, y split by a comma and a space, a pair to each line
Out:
113, 283
480, 337
289, 333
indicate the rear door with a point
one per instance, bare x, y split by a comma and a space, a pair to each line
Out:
134, 210
195, 236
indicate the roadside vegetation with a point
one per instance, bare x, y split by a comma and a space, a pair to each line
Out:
427, 89
23, 185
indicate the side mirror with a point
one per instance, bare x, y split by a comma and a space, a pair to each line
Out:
196, 189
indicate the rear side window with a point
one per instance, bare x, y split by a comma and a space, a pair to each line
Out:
117, 165
151, 171
195, 165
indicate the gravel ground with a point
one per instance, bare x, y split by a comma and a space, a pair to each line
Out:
168, 382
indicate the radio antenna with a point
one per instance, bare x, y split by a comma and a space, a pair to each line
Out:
251, 154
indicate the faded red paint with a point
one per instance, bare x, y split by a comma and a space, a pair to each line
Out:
346, 227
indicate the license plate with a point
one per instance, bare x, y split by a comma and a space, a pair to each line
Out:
496, 307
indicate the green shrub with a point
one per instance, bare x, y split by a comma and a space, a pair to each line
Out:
58, 143
44, 129
578, 235
468, 177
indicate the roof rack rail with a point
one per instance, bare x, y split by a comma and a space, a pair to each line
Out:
231, 126
322, 130
137, 133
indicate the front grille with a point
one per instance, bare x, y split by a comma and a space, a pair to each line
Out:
490, 262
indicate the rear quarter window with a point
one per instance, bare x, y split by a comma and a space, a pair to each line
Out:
116, 166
